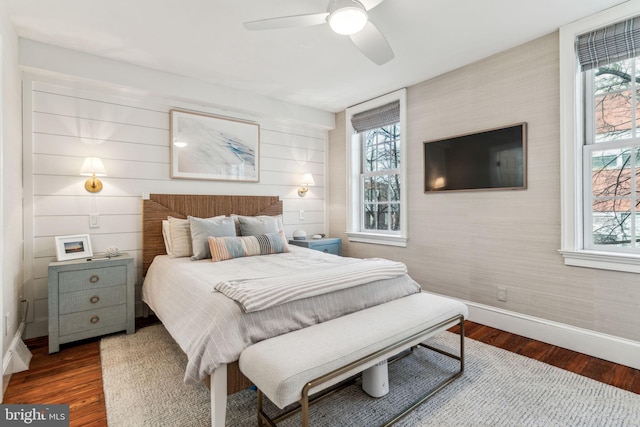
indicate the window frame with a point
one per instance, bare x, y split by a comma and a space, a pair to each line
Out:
375, 174
630, 141
571, 153
354, 186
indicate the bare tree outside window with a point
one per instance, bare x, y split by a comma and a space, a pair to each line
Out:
380, 179
614, 155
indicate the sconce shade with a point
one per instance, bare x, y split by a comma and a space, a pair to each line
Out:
307, 179
93, 167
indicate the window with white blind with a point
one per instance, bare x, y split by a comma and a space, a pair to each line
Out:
611, 157
600, 140
377, 171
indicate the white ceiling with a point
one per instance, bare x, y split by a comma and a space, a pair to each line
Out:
312, 66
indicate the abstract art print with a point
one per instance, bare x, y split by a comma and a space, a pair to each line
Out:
204, 146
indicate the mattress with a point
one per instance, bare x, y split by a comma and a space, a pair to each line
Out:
213, 329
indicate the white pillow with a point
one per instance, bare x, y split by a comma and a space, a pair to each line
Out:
179, 237
166, 235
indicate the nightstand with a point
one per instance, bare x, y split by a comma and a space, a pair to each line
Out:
90, 298
332, 245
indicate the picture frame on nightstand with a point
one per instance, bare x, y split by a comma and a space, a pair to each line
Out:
73, 247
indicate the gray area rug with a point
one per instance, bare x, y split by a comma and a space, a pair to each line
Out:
143, 373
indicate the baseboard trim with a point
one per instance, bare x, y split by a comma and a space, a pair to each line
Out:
6, 372
608, 347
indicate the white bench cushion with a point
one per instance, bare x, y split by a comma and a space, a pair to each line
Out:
282, 365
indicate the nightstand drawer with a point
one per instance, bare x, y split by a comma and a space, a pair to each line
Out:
331, 245
80, 280
330, 248
92, 319
92, 299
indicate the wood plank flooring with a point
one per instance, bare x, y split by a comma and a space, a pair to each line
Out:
600, 370
74, 375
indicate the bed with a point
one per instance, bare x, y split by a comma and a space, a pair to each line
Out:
213, 329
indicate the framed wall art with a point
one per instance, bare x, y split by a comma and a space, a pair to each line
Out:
73, 247
205, 146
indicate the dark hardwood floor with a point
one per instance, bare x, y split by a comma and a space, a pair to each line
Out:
74, 375
600, 370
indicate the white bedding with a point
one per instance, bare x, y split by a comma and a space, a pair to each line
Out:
213, 329
259, 293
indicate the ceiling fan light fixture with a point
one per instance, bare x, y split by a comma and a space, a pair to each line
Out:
348, 19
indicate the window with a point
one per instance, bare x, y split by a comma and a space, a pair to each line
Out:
600, 140
377, 170
380, 179
611, 157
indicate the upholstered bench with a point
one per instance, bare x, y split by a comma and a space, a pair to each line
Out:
291, 367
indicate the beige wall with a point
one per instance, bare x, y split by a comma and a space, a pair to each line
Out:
466, 244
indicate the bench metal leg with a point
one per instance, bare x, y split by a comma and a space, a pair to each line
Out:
263, 418
440, 386
402, 345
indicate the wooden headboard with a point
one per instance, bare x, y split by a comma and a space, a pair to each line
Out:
159, 206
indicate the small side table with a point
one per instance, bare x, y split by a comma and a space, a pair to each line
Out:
90, 298
332, 245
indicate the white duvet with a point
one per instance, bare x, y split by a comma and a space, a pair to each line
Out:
213, 329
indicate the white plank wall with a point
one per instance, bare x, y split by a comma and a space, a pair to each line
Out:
64, 122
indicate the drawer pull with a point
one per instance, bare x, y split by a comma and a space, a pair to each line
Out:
95, 319
94, 279
94, 299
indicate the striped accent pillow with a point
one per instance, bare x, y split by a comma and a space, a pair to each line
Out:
224, 248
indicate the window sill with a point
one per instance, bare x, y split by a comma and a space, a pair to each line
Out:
629, 263
378, 239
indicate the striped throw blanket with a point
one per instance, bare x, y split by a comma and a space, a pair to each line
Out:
260, 293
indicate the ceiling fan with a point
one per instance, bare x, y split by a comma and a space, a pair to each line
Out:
346, 17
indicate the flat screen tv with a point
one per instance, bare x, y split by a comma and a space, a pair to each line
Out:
494, 159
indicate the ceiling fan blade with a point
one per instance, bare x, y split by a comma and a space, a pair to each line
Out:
288, 22
373, 44
370, 4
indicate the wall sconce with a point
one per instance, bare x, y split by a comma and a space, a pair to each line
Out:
93, 167
307, 180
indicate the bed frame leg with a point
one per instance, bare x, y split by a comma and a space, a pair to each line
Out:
219, 396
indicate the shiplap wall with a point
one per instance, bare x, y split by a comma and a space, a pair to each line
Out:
64, 122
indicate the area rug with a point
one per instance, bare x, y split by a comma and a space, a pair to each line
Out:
143, 385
